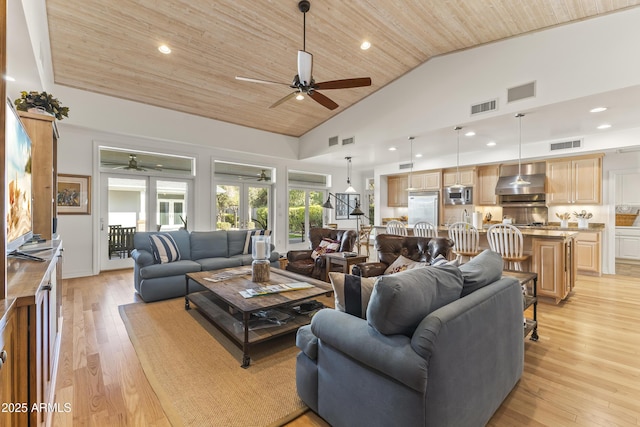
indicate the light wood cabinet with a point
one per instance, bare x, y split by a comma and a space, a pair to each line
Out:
467, 176
556, 272
397, 194
8, 361
588, 253
43, 133
575, 180
486, 189
35, 287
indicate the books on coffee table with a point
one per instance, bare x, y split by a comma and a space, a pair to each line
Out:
274, 289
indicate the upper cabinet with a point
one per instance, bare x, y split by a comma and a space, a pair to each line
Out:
485, 191
627, 189
466, 177
428, 181
397, 194
576, 180
43, 133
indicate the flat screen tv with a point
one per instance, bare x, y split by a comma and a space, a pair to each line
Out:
17, 181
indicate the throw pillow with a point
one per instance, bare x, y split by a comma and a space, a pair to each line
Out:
326, 246
440, 260
403, 263
247, 243
480, 271
352, 293
164, 248
400, 301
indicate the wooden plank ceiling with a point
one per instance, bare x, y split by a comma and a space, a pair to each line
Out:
111, 48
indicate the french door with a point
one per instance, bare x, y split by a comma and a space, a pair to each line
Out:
243, 206
130, 203
305, 211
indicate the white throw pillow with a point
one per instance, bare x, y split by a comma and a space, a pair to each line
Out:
403, 263
326, 246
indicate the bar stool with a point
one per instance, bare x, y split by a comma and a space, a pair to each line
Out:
396, 227
363, 237
466, 240
424, 229
507, 241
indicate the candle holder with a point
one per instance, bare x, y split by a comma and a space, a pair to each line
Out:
260, 252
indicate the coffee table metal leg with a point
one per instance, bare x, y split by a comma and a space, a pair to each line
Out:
186, 294
246, 360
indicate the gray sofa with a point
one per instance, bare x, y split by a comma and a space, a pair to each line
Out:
453, 366
199, 251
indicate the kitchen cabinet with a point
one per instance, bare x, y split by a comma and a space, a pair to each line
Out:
628, 243
576, 180
486, 189
552, 259
397, 194
627, 189
466, 177
427, 181
43, 133
588, 253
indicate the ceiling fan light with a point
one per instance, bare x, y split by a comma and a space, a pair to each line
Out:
300, 96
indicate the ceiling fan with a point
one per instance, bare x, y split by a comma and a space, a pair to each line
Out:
133, 165
263, 176
303, 82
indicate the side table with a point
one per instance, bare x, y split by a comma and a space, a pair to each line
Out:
530, 299
337, 258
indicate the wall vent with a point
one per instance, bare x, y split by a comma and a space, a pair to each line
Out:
484, 107
566, 145
333, 141
521, 92
406, 165
348, 141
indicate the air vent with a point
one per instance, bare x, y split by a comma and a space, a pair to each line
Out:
521, 92
484, 107
406, 165
348, 141
333, 141
566, 145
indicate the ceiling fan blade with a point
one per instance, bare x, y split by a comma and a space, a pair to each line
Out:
305, 65
344, 83
283, 99
269, 82
323, 100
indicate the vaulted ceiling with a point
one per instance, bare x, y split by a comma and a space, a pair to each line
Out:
112, 48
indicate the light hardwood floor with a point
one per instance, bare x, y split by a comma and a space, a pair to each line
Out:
584, 370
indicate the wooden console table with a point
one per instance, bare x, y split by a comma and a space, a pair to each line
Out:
337, 258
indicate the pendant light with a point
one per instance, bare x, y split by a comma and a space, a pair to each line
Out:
519, 181
349, 189
457, 184
410, 188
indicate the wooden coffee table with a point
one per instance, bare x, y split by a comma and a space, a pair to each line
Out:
223, 305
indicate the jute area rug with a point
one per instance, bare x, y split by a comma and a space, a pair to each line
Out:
195, 370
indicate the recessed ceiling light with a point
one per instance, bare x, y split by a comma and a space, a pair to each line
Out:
392, 148
8, 78
470, 133
491, 144
300, 97
604, 126
163, 48
418, 155
598, 109
365, 45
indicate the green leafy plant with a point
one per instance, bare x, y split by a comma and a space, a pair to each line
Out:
43, 100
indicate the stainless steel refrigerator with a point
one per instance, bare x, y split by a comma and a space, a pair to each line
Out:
423, 206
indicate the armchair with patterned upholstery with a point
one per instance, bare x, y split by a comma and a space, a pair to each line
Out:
301, 262
415, 248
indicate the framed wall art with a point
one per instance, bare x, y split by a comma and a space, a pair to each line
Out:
73, 195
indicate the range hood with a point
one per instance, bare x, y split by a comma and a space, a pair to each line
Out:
534, 173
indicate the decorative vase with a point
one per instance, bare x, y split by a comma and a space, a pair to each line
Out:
564, 223
583, 223
260, 252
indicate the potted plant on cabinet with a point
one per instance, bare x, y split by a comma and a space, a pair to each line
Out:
41, 102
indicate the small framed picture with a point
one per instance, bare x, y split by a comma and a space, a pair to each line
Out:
73, 195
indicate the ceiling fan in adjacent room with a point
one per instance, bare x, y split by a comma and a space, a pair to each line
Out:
263, 176
131, 165
303, 82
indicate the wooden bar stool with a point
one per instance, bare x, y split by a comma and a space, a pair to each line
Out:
425, 229
466, 240
507, 241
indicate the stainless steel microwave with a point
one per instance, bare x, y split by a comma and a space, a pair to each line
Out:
458, 196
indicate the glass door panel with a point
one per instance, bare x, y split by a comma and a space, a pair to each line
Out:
228, 207
171, 205
243, 206
305, 212
258, 207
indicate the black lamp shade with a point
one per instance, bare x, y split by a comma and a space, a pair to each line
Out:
328, 204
